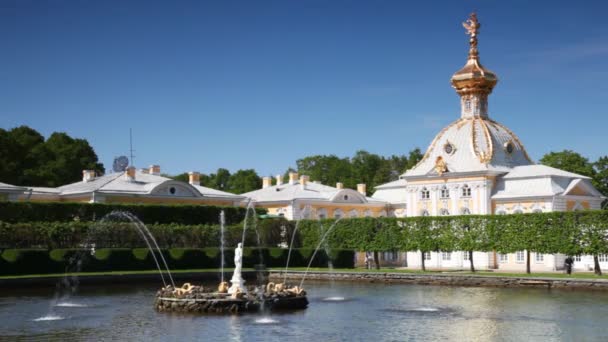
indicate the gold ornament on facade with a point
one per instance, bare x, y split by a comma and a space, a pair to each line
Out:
440, 166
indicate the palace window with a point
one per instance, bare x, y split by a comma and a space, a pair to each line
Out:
602, 257
390, 256
338, 214
425, 194
446, 256
539, 257
444, 212
467, 105
466, 191
465, 256
445, 192
577, 258
520, 256
427, 255
424, 213
518, 211
502, 258
465, 211
501, 212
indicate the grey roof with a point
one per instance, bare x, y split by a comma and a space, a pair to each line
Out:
541, 185
4, 187
144, 183
535, 171
312, 191
399, 183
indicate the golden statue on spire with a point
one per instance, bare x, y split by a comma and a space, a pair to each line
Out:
472, 26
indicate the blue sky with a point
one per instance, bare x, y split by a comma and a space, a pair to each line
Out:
259, 84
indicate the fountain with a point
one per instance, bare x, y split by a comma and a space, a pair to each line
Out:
233, 300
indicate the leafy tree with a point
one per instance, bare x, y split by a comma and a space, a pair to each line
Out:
244, 181
600, 181
28, 159
326, 169
570, 161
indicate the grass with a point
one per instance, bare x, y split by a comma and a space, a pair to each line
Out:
588, 276
582, 275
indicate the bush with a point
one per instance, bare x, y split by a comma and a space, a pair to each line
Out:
147, 213
28, 261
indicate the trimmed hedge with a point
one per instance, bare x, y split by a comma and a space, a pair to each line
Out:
41, 261
147, 213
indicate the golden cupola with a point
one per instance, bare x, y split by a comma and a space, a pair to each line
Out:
473, 82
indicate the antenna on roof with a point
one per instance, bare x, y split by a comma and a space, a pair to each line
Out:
131, 150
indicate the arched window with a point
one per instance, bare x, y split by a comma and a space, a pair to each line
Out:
424, 212
518, 211
367, 213
321, 213
338, 213
353, 213
501, 212
466, 191
425, 194
382, 213
444, 212
465, 211
537, 211
445, 192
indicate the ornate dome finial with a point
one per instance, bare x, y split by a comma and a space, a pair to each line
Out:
472, 26
473, 82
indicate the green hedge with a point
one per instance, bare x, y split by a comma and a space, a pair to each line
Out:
147, 213
42, 261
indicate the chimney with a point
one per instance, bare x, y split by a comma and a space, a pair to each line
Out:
266, 182
279, 180
155, 170
293, 177
339, 185
194, 178
88, 175
130, 173
304, 181
361, 188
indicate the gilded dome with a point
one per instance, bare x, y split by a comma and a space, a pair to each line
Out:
470, 145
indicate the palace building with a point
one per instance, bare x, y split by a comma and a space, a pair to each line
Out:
301, 198
133, 186
476, 165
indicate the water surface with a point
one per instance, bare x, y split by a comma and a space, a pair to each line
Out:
337, 312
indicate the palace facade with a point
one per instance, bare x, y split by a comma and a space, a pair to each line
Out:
476, 165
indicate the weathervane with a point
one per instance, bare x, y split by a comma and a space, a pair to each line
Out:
472, 26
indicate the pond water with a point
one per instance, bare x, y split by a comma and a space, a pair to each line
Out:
337, 312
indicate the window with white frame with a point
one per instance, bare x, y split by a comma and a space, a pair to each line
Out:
466, 191
465, 211
539, 257
425, 194
353, 213
445, 192
338, 213
446, 256
577, 258
444, 212
518, 211
390, 256
501, 212
503, 258
537, 211
520, 256
602, 257
424, 212
427, 255
465, 256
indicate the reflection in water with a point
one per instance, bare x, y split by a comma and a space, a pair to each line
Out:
368, 312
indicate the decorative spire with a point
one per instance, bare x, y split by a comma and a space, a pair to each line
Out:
472, 26
473, 82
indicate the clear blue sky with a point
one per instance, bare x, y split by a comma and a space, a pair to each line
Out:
259, 84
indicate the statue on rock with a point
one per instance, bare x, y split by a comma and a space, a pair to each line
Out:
237, 280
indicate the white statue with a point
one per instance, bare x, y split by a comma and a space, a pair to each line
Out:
237, 280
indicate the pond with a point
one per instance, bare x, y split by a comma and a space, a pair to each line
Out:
337, 311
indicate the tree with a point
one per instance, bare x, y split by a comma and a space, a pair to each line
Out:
600, 181
326, 169
570, 161
244, 181
30, 160
365, 166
